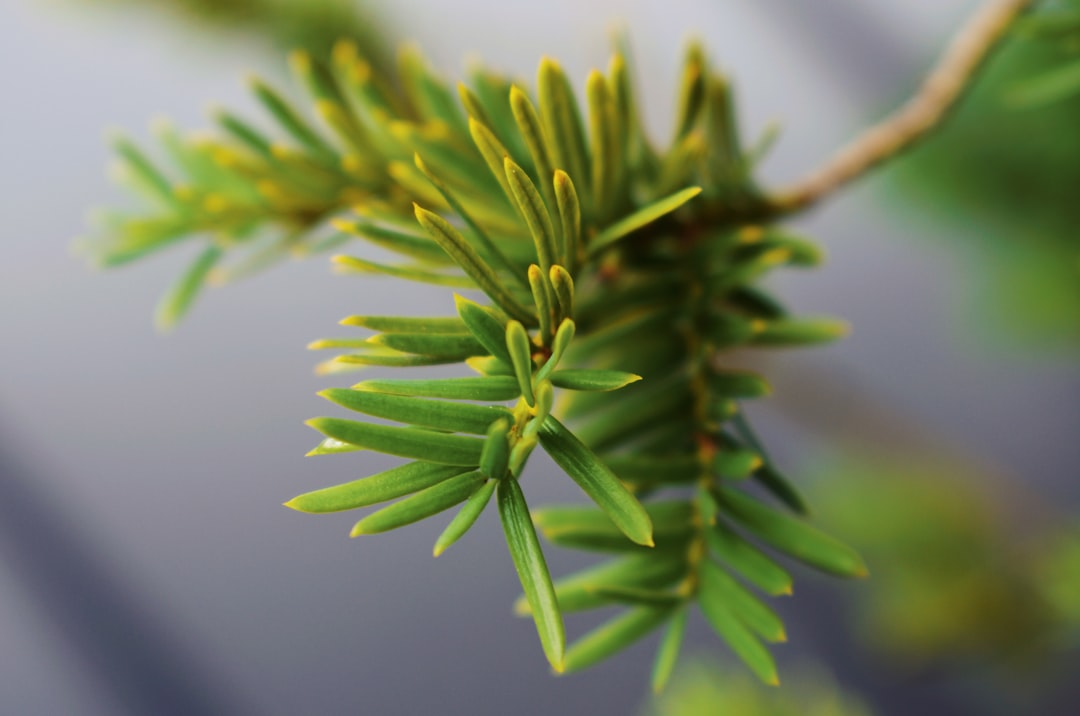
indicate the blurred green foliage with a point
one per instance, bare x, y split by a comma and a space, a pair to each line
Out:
707, 688
953, 578
1057, 26
1057, 568
1005, 177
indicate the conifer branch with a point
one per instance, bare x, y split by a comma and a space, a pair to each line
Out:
614, 271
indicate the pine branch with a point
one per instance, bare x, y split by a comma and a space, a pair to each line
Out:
616, 276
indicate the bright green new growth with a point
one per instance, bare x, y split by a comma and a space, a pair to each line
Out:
617, 277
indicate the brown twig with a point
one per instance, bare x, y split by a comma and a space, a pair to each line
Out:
947, 81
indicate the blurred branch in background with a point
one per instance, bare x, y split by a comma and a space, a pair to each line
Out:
1005, 177
924, 112
1001, 175
312, 25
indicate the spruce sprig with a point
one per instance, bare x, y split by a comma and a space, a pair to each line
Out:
617, 277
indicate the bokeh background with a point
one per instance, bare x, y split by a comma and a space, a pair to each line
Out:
147, 567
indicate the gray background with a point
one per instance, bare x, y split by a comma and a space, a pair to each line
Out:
146, 565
